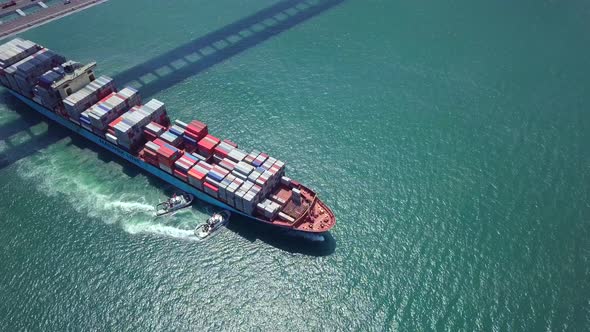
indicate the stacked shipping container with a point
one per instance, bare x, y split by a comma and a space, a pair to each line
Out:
207, 144
167, 155
193, 133
128, 128
183, 165
14, 51
153, 130
197, 174
23, 75
109, 108
89, 95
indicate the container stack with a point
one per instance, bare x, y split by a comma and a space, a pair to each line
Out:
89, 95
237, 192
128, 128
227, 164
263, 181
153, 130
84, 120
150, 153
230, 190
181, 124
23, 75
171, 138
251, 198
198, 156
217, 173
227, 180
251, 157
167, 156
214, 178
222, 150
239, 195
183, 165
206, 145
242, 170
193, 133
177, 130
241, 179
197, 174
109, 108
236, 155
260, 159
268, 208
254, 175
286, 181
272, 170
13, 52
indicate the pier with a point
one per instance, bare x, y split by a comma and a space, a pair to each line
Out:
44, 15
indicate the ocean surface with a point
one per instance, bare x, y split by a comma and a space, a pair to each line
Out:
450, 138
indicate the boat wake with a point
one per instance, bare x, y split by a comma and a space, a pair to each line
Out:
159, 229
130, 206
95, 190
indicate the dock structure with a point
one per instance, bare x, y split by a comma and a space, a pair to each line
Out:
46, 14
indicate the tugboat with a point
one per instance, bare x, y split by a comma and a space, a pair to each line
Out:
215, 222
173, 204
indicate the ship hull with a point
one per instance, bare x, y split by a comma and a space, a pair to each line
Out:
133, 159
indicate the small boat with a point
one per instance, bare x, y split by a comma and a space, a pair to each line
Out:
214, 223
173, 204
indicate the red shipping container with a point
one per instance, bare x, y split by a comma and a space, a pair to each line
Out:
165, 152
192, 135
180, 175
159, 142
197, 129
210, 186
114, 122
196, 175
207, 144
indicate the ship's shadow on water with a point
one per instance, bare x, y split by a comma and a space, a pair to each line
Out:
189, 59
23, 127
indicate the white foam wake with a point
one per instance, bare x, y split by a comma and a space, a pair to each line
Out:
101, 190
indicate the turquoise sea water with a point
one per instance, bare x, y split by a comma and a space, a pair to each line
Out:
451, 140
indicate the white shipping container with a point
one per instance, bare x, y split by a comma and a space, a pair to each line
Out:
111, 138
286, 181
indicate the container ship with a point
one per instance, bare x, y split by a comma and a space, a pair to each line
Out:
184, 154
